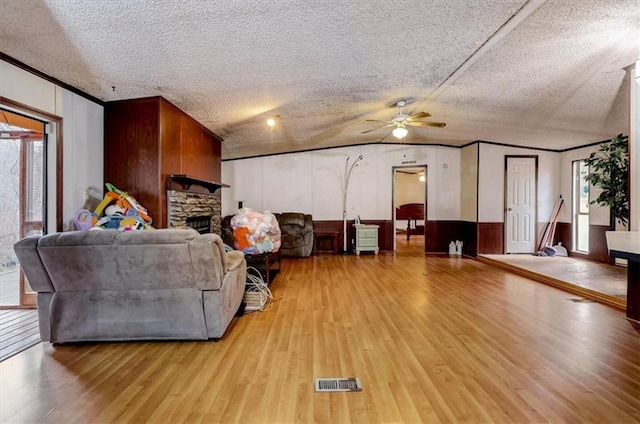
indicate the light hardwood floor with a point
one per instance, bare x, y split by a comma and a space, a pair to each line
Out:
433, 339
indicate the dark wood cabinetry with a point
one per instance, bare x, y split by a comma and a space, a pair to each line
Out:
148, 139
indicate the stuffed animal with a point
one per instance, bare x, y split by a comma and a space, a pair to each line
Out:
117, 210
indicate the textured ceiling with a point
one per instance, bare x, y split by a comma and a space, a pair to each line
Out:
535, 73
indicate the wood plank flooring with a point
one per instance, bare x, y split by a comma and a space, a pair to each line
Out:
433, 339
603, 282
18, 331
10, 288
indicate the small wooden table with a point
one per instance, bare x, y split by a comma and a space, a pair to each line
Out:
265, 263
318, 235
626, 245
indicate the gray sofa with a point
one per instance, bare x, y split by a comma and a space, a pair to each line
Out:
135, 285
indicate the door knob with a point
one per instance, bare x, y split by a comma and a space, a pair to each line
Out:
509, 209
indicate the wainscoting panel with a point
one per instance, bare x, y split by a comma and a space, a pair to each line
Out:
563, 234
491, 237
469, 235
386, 232
440, 233
597, 242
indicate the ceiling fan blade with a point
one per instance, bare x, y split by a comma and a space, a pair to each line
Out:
373, 120
375, 129
419, 115
426, 124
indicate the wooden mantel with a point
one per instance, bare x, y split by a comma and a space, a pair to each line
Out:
184, 182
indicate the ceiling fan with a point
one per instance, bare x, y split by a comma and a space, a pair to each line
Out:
402, 120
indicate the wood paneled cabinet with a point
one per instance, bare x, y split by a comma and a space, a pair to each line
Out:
148, 139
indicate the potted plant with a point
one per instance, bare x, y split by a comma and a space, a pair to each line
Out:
609, 171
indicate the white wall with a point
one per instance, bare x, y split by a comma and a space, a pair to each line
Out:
311, 181
82, 126
491, 175
469, 183
409, 189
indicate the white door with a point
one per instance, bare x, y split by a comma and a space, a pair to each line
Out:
520, 216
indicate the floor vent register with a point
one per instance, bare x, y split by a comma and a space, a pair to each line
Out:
581, 300
351, 384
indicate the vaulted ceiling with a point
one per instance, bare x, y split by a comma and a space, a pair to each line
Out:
548, 74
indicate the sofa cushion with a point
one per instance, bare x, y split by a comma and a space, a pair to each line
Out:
115, 260
107, 237
293, 241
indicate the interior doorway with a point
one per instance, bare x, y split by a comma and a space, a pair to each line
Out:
521, 199
22, 211
410, 203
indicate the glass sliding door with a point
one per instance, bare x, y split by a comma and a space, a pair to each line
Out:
22, 188
580, 207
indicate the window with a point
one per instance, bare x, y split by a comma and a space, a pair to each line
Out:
580, 207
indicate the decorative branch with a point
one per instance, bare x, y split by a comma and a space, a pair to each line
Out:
347, 176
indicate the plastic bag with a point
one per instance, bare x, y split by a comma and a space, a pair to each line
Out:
255, 232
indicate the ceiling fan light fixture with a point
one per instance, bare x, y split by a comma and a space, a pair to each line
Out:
400, 132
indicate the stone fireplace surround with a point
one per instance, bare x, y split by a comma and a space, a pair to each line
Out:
184, 204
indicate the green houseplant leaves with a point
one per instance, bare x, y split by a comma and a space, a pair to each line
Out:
609, 171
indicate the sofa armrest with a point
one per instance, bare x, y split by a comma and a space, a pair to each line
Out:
31, 263
208, 261
308, 222
235, 259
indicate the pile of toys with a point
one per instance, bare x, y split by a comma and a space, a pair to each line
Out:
255, 232
118, 210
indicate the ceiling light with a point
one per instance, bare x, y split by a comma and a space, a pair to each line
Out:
422, 178
400, 132
271, 122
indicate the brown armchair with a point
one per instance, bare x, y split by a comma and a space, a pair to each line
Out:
297, 234
226, 232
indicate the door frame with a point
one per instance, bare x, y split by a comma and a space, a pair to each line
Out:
28, 300
535, 209
30, 112
425, 169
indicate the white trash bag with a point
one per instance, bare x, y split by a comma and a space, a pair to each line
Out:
255, 232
